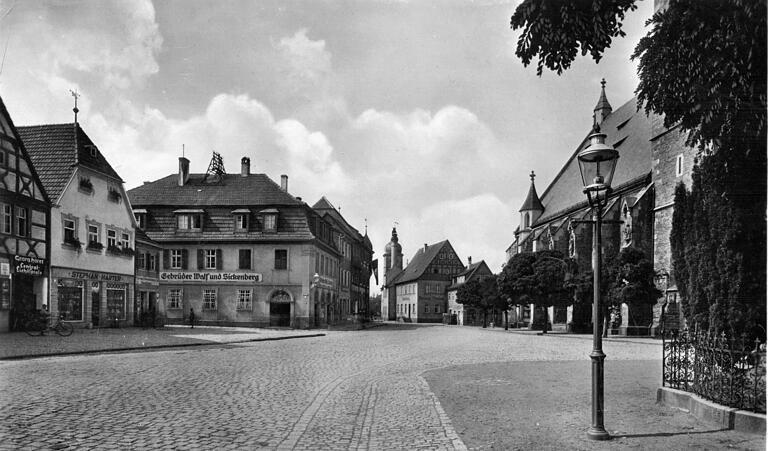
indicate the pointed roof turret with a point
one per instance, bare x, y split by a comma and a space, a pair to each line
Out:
532, 201
603, 108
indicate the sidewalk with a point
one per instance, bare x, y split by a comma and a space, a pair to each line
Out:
18, 345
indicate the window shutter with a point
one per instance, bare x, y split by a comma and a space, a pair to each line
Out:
166, 259
184, 259
200, 257
219, 263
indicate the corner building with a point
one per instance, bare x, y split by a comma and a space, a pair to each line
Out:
24, 233
238, 249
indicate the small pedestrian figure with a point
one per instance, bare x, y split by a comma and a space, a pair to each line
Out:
192, 317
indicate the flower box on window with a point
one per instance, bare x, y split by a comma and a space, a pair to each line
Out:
114, 250
128, 251
74, 242
95, 246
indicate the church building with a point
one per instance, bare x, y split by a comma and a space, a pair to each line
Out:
652, 161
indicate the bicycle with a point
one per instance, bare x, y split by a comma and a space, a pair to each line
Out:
38, 326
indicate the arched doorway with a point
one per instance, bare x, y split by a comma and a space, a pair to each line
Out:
280, 309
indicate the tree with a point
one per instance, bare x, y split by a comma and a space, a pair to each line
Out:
701, 67
538, 278
470, 294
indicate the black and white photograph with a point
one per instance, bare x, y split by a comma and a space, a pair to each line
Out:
383, 224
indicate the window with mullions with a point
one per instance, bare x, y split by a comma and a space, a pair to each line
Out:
244, 260
270, 222
188, 222
176, 258
281, 259
174, 298
241, 222
125, 240
244, 300
209, 299
22, 225
210, 259
6, 219
93, 233
111, 238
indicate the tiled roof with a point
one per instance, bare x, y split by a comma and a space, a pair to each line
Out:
627, 125
324, 206
420, 262
142, 237
232, 190
470, 272
51, 148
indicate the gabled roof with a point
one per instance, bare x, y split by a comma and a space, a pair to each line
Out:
142, 237
24, 153
629, 127
420, 262
472, 270
231, 190
52, 150
324, 207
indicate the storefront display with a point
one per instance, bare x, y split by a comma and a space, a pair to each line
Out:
116, 301
70, 299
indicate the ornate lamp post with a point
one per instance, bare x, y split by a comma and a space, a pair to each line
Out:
597, 163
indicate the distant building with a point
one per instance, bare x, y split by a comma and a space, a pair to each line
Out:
92, 227
355, 262
239, 249
420, 288
148, 254
467, 315
25, 216
393, 266
652, 161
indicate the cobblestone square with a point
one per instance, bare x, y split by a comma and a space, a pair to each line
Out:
347, 390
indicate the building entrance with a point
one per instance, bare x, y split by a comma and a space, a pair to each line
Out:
24, 302
279, 314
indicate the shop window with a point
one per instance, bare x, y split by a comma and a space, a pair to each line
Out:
22, 224
244, 260
244, 300
70, 299
116, 301
209, 299
174, 298
6, 219
281, 259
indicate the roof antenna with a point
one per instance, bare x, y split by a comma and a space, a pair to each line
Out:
366, 226
75, 95
182, 150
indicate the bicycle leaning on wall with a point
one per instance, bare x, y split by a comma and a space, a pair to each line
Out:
40, 323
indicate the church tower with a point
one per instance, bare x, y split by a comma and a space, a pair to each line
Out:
393, 254
393, 265
530, 211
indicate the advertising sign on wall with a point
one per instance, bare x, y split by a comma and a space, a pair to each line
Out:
225, 277
28, 265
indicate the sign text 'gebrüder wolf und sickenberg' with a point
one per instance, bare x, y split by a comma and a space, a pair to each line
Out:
234, 277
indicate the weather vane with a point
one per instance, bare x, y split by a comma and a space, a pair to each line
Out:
75, 109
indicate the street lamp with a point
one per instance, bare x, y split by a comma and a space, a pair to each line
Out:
597, 162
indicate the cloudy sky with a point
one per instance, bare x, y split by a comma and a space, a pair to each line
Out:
414, 112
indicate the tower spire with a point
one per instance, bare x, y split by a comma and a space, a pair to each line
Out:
75, 109
603, 108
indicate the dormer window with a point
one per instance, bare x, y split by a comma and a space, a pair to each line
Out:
241, 219
270, 220
141, 218
189, 219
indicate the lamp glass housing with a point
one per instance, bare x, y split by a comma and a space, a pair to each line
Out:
597, 163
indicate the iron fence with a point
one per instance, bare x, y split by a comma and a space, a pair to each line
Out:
728, 371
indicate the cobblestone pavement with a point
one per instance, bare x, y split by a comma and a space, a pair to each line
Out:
347, 390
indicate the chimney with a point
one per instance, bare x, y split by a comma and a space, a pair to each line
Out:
183, 171
425, 247
298, 198
284, 182
245, 167
469, 259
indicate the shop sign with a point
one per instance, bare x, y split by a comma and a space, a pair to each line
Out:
28, 265
96, 276
233, 277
